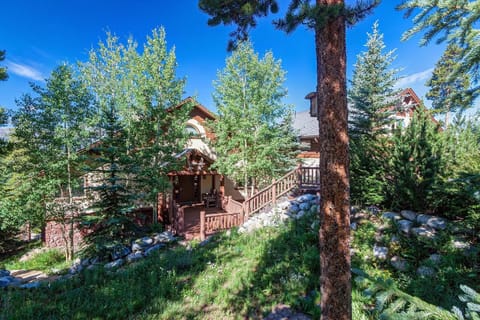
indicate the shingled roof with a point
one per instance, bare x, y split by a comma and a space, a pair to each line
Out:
305, 125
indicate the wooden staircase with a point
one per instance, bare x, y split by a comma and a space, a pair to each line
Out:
303, 178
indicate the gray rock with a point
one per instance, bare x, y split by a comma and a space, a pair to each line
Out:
154, 248
30, 285
405, 226
134, 256
423, 218
145, 241
75, 268
437, 223
380, 252
293, 209
361, 216
425, 271
299, 214
399, 263
114, 264
423, 232
435, 258
164, 237
391, 216
4, 273
137, 247
304, 206
5, 281
120, 252
353, 226
85, 262
460, 244
409, 215
306, 197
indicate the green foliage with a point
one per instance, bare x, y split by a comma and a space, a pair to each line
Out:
49, 261
371, 98
452, 21
254, 140
415, 163
449, 95
109, 221
393, 303
146, 92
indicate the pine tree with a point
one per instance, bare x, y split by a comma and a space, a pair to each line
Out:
109, 223
372, 97
447, 95
328, 19
416, 163
253, 140
454, 21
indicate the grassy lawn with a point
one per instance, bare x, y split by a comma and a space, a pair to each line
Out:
231, 277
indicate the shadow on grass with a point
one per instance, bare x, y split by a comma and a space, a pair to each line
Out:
231, 277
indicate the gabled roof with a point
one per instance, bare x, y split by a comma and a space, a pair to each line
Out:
198, 106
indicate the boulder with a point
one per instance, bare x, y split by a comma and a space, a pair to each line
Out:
136, 247
380, 252
134, 256
114, 264
437, 223
304, 206
154, 248
399, 263
405, 226
30, 285
164, 237
423, 232
423, 218
425, 271
293, 209
306, 197
4, 273
145, 241
353, 226
5, 281
391, 216
120, 252
409, 215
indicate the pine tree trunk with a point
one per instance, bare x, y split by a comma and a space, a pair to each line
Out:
334, 174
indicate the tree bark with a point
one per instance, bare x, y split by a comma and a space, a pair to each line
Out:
335, 278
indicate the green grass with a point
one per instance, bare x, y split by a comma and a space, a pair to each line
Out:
49, 262
232, 277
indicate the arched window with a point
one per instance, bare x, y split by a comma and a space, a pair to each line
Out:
192, 131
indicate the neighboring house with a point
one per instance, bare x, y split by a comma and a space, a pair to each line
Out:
195, 187
306, 124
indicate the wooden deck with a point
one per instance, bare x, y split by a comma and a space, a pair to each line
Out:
192, 220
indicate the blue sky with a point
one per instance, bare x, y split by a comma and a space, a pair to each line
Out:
39, 35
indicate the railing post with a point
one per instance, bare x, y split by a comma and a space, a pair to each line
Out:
274, 191
202, 225
299, 176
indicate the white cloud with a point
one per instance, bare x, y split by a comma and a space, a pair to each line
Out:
414, 78
25, 71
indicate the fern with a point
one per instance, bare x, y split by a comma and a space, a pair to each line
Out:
392, 303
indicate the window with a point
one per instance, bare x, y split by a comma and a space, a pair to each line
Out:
192, 131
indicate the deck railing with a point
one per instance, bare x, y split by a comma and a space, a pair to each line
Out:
308, 177
270, 194
216, 222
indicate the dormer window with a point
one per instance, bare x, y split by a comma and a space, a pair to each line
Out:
192, 131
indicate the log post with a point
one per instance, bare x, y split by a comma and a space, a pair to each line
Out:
202, 225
